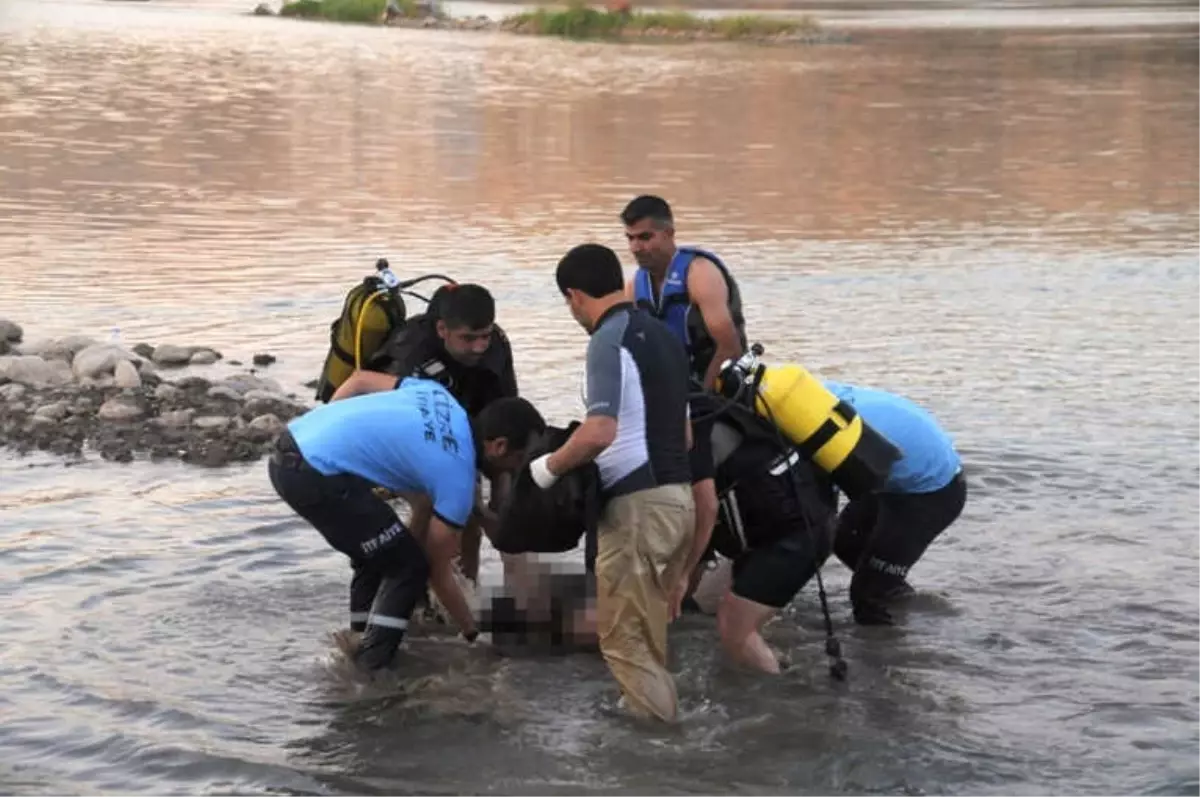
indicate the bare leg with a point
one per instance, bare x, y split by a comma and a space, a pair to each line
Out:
740, 623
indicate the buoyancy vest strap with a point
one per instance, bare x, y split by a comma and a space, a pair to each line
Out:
827, 430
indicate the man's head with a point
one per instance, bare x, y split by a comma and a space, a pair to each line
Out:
466, 316
650, 229
591, 280
505, 429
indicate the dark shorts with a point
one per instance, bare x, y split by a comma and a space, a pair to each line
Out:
774, 574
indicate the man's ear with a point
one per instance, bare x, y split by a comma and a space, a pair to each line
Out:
442, 329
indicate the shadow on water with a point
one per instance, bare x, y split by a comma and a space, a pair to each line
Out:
1000, 224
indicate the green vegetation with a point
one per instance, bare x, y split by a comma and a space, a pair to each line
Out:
579, 21
344, 10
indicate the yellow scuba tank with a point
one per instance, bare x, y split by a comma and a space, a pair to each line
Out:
373, 309
824, 429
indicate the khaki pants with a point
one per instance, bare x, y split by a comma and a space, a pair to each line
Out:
644, 542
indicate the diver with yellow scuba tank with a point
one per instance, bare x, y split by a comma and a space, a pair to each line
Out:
896, 465
455, 342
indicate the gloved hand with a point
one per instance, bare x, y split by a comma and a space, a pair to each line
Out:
539, 469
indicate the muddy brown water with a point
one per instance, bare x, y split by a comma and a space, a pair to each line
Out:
1000, 223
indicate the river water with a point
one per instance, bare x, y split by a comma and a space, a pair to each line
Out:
1000, 223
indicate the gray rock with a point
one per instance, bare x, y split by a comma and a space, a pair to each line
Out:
144, 350
210, 422
196, 383
34, 371
126, 375
270, 405
244, 383
267, 425
60, 348
204, 357
100, 382
100, 360
83, 405
12, 391
169, 354
264, 359
263, 10
53, 412
167, 392
223, 392
10, 331
119, 409
176, 418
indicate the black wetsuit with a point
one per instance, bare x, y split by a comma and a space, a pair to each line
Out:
777, 510
416, 350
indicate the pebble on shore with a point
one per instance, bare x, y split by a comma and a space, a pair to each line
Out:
71, 394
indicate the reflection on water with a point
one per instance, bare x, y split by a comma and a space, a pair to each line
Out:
1001, 224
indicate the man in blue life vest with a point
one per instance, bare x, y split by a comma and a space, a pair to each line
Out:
881, 536
693, 293
414, 439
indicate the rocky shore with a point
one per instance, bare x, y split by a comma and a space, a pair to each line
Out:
73, 396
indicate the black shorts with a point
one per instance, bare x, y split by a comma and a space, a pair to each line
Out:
773, 574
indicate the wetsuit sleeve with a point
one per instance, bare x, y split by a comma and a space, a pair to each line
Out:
508, 373
454, 493
604, 369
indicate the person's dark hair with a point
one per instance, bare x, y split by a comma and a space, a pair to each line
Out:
466, 305
438, 297
514, 419
591, 268
647, 207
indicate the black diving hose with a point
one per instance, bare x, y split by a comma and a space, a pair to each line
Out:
833, 648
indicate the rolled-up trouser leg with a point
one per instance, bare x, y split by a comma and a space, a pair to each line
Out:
404, 580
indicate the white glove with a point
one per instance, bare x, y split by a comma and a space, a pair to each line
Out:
539, 469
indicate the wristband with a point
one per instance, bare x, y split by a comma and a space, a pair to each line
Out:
539, 469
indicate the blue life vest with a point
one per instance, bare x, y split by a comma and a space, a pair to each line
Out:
675, 309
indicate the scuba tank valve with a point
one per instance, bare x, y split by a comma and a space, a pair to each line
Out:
385, 274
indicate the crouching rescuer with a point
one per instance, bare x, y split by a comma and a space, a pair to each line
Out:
414, 439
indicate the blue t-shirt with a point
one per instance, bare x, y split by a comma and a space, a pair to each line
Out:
415, 438
929, 460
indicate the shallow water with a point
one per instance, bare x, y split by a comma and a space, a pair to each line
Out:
1001, 224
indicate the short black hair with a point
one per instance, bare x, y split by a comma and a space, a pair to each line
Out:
514, 419
591, 268
438, 297
647, 206
466, 305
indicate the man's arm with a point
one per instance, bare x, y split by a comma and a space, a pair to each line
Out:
451, 482
599, 429
441, 546
710, 294
361, 382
